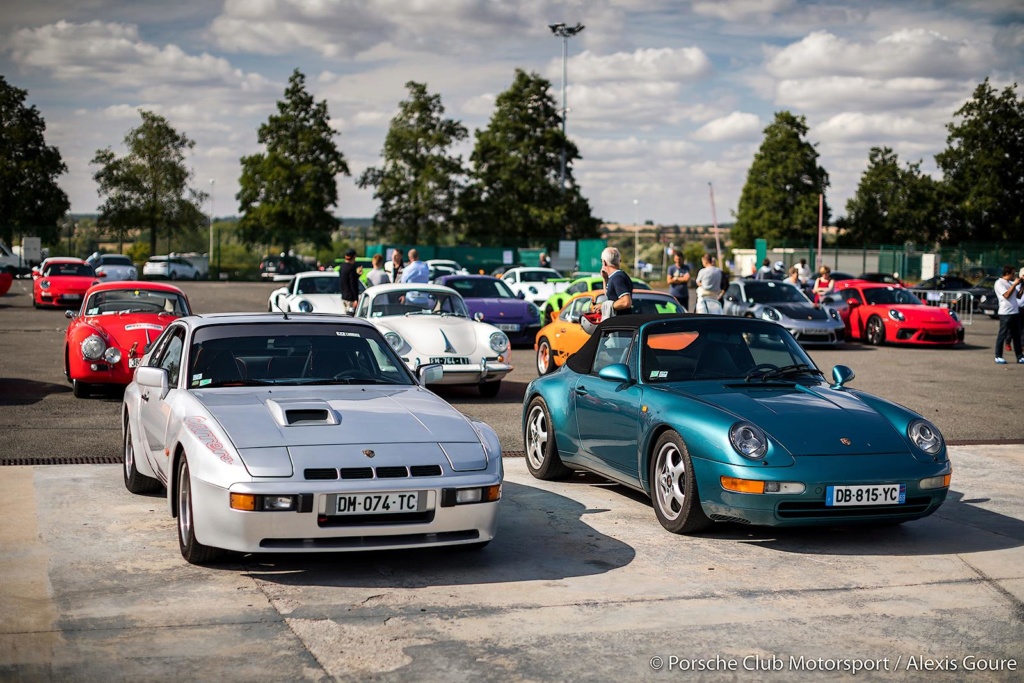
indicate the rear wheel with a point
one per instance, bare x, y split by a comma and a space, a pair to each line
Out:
539, 438
545, 357
874, 331
490, 389
674, 487
133, 480
192, 550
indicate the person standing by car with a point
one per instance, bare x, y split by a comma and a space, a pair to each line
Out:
824, 284
349, 276
545, 261
805, 272
679, 281
377, 276
765, 271
709, 287
394, 267
416, 271
1008, 291
618, 286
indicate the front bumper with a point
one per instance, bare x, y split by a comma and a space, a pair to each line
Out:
808, 333
926, 335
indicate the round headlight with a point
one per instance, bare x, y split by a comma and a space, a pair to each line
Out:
925, 436
769, 313
748, 440
305, 306
499, 342
393, 340
896, 315
45, 284
112, 355
93, 347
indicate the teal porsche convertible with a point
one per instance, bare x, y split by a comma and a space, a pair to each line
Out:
721, 419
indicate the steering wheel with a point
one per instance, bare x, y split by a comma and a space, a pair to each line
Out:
762, 366
346, 374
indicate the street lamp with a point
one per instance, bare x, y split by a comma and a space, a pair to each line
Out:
209, 258
636, 236
565, 33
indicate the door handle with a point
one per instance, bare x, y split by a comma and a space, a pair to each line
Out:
581, 391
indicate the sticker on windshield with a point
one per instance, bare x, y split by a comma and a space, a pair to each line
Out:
659, 374
347, 334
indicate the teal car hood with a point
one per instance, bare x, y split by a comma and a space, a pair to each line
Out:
806, 420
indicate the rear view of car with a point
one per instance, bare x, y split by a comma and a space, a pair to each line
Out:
169, 268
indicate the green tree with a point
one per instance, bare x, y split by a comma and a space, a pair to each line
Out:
892, 204
514, 196
418, 186
983, 168
149, 186
287, 193
30, 199
780, 198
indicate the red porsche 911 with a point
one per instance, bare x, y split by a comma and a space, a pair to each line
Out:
62, 282
110, 334
882, 313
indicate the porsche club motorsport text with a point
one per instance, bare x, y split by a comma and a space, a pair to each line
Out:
846, 664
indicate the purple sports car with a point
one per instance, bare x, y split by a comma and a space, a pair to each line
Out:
490, 300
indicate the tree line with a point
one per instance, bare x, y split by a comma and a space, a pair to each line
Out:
510, 190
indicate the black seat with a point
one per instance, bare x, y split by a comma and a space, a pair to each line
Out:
215, 365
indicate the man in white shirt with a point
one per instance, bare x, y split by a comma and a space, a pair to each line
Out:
709, 287
1008, 291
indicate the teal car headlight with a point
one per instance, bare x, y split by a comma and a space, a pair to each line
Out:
925, 436
749, 440
93, 347
769, 313
897, 315
499, 342
305, 306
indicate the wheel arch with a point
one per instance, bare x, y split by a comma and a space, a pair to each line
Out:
647, 452
172, 479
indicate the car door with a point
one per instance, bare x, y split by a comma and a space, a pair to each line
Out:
858, 314
608, 413
154, 410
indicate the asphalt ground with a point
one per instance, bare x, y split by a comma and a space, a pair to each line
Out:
580, 584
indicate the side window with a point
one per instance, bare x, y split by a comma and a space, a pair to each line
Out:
613, 348
852, 294
170, 356
577, 288
510, 277
733, 291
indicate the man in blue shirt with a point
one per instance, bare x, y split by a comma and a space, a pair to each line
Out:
618, 286
679, 281
416, 271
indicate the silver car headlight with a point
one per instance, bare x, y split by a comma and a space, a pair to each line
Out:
305, 307
749, 440
45, 284
499, 342
393, 340
832, 313
769, 313
93, 347
896, 315
925, 436
953, 315
112, 355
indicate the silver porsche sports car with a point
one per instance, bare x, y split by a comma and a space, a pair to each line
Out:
303, 433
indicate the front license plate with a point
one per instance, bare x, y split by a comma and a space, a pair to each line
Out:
508, 327
134, 362
71, 297
378, 503
870, 494
450, 360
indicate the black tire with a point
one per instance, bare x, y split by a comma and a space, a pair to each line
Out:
67, 365
674, 487
874, 331
80, 389
192, 550
490, 389
545, 357
539, 440
134, 481
173, 275
549, 312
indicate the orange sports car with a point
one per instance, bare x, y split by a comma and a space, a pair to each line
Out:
563, 337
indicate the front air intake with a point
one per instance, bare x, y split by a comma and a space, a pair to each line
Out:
314, 416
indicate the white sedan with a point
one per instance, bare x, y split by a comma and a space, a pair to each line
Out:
535, 284
303, 434
427, 324
310, 292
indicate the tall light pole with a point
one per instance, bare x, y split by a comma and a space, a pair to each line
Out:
209, 259
636, 236
565, 33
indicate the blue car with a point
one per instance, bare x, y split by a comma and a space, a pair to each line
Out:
492, 301
722, 419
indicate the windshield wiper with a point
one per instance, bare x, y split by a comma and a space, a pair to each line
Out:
784, 371
235, 383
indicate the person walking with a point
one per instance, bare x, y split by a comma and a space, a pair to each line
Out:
349, 275
618, 286
1008, 290
679, 280
378, 276
709, 287
416, 271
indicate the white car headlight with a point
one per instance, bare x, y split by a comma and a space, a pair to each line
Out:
499, 342
769, 313
45, 284
896, 315
925, 436
305, 306
394, 340
112, 355
749, 440
93, 347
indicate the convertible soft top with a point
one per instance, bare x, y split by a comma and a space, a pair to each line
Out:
582, 360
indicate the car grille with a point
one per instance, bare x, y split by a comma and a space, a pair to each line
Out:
391, 472
359, 542
800, 510
424, 517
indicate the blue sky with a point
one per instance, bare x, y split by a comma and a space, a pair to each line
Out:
664, 96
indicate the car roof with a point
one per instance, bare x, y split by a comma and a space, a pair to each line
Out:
63, 259
209, 319
136, 284
418, 286
464, 276
581, 361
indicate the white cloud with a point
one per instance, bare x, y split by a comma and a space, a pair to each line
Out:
736, 126
741, 10
648, 65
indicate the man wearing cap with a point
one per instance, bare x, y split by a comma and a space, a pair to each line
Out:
349, 274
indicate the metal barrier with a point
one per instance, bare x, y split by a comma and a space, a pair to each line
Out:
960, 301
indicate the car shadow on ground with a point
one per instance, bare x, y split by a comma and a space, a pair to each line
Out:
510, 392
17, 391
542, 536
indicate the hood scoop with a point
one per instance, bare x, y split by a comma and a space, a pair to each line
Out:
302, 413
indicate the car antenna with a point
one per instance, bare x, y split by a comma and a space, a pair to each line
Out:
285, 313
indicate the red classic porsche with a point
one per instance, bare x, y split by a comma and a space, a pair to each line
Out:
62, 282
882, 313
109, 335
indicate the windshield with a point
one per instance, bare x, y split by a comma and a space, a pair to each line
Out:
480, 288
540, 275
322, 284
890, 295
69, 269
293, 354
748, 350
106, 260
418, 302
136, 301
772, 293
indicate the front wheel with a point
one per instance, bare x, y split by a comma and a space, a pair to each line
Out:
135, 481
674, 487
545, 357
539, 438
192, 550
490, 389
874, 331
